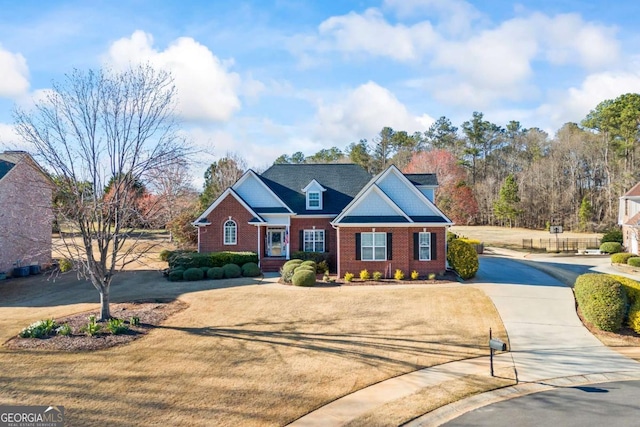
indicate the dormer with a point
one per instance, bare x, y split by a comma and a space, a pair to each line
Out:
313, 192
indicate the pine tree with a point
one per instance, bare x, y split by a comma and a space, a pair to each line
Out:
506, 207
584, 214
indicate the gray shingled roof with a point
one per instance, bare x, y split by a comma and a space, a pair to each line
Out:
422, 178
342, 181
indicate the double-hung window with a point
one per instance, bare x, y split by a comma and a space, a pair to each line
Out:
230, 233
373, 246
313, 200
314, 240
424, 241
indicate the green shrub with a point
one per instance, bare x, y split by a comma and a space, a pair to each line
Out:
193, 274
134, 321
189, 259
602, 300
304, 277
310, 264
326, 277
164, 255
317, 257
377, 275
634, 316
621, 257
451, 236
348, 277
205, 270
398, 275
179, 257
611, 247
463, 258
117, 326
231, 271
286, 272
39, 329
634, 261
250, 269
613, 235
471, 241
220, 259
295, 262
364, 275
215, 273
65, 265
323, 267
92, 328
631, 287
64, 330
176, 275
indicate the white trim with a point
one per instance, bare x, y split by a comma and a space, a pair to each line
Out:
314, 216
382, 194
373, 246
228, 191
314, 241
250, 172
315, 184
392, 224
420, 246
308, 199
235, 233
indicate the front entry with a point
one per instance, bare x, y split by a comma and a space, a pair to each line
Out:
275, 242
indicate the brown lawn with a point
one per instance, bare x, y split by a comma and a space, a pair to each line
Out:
242, 353
512, 237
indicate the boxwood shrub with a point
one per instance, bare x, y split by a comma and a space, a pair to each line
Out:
317, 257
176, 274
304, 277
634, 261
463, 258
231, 271
621, 257
215, 273
634, 316
250, 269
189, 259
611, 247
193, 274
602, 300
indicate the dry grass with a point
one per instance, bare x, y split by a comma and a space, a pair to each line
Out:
512, 237
239, 355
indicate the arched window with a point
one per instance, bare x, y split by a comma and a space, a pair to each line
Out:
230, 233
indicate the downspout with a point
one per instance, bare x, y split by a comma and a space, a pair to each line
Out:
337, 249
259, 256
199, 228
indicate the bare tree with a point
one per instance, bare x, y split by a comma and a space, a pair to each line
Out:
93, 128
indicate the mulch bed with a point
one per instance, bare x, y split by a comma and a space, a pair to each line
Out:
150, 312
446, 278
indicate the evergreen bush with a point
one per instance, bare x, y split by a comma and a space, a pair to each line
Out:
463, 258
193, 274
610, 247
621, 257
176, 274
215, 273
251, 269
231, 271
602, 300
634, 261
614, 235
304, 277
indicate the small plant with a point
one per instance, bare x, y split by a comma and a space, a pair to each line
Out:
117, 326
325, 277
164, 255
65, 265
39, 329
92, 328
398, 275
64, 330
621, 257
414, 275
348, 277
134, 321
634, 261
377, 275
322, 267
364, 275
432, 276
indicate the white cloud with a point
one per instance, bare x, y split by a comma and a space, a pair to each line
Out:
207, 90
363, 112
14, 74
454, 17
9, 137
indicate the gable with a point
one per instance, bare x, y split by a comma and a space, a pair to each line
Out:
255, 193
404, 195
229, 192
373, 203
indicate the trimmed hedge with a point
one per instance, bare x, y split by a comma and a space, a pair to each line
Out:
621, 257
188, 259
231, 271
310, 264
611, 247
175, 275
215, 273
317, 257
205, 270
634, 261
304, 277
463, 258
634, 316
193, 274
602, 300
251, 269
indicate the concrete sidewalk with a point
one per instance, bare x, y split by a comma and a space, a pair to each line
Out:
548, 345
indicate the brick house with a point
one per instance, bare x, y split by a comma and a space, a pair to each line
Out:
379, 223
629, 218
25, 211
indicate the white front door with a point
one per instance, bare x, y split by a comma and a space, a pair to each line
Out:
275, 242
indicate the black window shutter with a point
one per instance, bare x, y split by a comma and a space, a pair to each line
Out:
326, 240
416, 245
301, 240
434, 246
358, 247
389, 247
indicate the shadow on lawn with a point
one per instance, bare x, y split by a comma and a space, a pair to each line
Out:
66, 289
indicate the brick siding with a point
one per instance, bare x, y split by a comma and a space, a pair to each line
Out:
330, 236
212, 236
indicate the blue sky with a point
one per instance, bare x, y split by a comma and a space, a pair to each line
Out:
264, 78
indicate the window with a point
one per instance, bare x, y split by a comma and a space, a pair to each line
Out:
425, 246
230, 233
313, 200
374, 246
314, 240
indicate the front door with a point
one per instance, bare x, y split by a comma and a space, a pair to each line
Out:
275, 243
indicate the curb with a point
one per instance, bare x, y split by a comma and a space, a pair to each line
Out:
454, 410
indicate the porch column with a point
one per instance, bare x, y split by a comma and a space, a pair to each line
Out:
259, 257
288, 240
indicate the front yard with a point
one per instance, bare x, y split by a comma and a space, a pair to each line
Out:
240, 354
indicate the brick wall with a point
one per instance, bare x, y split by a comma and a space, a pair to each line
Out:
402, 251
330, 237
212, 236
25, 217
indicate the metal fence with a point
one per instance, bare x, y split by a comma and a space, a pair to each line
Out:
561, 244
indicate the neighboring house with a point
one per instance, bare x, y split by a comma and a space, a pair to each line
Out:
629, 218
25, 211
380, 223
